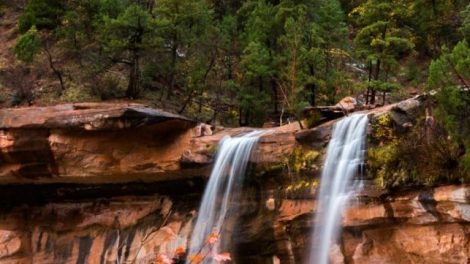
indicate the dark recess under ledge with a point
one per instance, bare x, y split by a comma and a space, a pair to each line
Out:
39, 194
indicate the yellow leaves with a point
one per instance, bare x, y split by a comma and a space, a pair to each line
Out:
339, 53
301, 160
302, 184
360, 10
383, 129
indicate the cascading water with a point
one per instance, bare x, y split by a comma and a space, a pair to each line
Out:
345, 155
227, 174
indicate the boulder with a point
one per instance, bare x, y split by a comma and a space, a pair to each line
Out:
348, 104
317, 137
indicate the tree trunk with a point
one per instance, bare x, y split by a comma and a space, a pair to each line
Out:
274, 98
56, 71
174, 54
376, 77
368, 86
311, 86
133, 87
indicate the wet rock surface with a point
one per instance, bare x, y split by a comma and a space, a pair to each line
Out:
402, 227
81, 186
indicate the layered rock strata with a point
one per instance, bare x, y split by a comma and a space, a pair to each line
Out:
121, 183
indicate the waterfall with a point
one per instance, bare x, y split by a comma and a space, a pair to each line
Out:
345, 155
225, 179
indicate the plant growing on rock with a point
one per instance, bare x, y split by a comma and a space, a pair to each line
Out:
411, 158
206, 252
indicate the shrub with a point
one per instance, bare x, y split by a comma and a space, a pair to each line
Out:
423, 156
21, 81
27, 45
76, 93
109, 86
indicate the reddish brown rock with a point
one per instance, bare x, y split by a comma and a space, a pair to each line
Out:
91, 142
118, 223
122, 229
347, 104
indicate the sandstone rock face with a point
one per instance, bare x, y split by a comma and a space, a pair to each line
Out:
119, 230
85, 143
121, 183
273, 147
348, 104
114, 142
429, 226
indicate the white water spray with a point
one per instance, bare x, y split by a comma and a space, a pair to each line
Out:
225, 179
345, 156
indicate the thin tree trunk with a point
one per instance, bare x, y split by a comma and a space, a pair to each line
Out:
376, 77
274, 91
133, 87
56, 71
311, 86
174, 54
368, 86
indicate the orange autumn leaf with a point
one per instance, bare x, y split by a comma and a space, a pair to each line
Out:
212, 238
179, 251
198, 258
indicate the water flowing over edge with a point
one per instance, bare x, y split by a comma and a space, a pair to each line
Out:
227, 174
345, 155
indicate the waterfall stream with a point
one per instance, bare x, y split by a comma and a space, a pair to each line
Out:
225, 180
345, 155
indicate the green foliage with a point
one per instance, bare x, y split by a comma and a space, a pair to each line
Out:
28, 45
466, 23
434, 24
77, 94
422, 156
132, 29
448, 75
110, 86
301, 161
382, 39
313, 119
44, 14
248, 60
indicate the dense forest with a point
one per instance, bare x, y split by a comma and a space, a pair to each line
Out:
236, 62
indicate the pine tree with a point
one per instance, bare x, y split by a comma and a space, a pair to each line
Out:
382, 39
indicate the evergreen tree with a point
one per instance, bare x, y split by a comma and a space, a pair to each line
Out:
382, 39
127, 38
448, 76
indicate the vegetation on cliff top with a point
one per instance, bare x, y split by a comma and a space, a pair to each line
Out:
247, 62
231, 62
